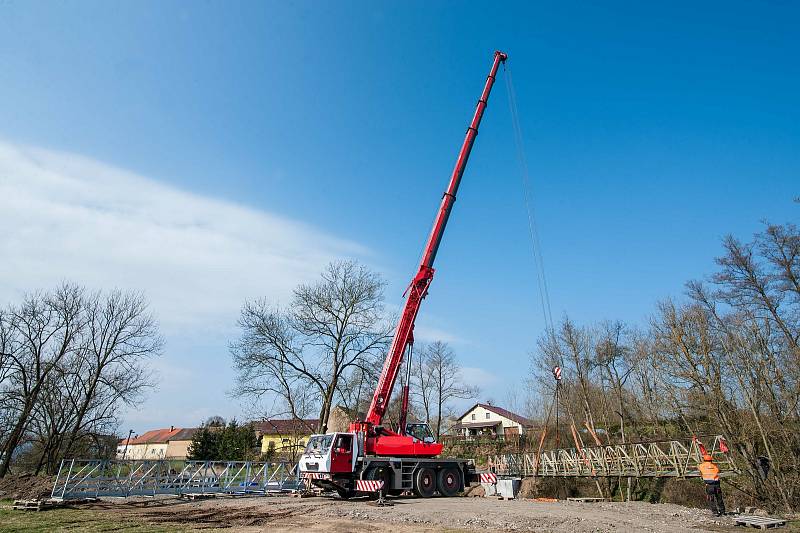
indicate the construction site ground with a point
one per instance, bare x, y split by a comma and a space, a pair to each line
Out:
282, 513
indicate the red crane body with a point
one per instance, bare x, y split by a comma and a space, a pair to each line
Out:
382, 441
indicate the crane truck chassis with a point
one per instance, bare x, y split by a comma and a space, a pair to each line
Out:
336, 461
371, 455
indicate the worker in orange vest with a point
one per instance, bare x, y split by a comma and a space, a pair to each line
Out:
710, 473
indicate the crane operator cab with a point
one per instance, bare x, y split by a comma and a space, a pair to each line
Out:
420, 431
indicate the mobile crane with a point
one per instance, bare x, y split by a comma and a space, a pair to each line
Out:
403, 460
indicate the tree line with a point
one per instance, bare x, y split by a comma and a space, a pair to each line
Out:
724, 359
70, 359
215, 440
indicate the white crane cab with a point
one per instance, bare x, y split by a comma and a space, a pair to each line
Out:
332, 453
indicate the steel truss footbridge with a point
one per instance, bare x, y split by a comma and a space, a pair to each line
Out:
91, 478
664, 458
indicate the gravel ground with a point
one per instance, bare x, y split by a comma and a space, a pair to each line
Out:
435, 514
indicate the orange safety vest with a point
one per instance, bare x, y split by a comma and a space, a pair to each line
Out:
709, 471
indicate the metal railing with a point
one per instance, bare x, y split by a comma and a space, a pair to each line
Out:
668, 458
85, 478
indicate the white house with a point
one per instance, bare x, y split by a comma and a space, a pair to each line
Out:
484, 420
151, 445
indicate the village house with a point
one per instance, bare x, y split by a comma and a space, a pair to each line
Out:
490, 421
284, 436
178, 444
172, 443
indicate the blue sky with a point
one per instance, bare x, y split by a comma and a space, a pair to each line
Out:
237, 146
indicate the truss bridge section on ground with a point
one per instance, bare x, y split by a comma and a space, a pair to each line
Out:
92, 478
665, 458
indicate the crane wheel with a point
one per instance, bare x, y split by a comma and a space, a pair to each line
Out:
448, 481
425, 482
380, 473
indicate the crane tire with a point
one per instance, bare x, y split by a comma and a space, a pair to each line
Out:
425, 482
380, 473
448, 481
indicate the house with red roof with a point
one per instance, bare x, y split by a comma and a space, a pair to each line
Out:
167, 443
486, 420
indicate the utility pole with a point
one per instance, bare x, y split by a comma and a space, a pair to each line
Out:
557, 376
127, 441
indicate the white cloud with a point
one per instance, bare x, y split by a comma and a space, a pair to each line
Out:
68, 217
479, 377
430, 334
65, 216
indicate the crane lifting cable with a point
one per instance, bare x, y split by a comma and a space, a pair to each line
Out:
536, 247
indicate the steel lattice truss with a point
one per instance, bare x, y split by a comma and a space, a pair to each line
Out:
84, 478
672, 458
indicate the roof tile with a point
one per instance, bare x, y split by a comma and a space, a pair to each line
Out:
154, 436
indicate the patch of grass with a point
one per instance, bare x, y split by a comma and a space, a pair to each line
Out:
792, 525
73, 520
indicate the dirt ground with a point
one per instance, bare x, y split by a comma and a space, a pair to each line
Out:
25, 487
427, 515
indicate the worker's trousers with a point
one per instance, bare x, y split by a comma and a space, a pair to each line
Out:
714, 497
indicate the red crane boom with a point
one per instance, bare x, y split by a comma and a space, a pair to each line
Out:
368, 456
418, 289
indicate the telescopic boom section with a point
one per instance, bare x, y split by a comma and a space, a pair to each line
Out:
404, 334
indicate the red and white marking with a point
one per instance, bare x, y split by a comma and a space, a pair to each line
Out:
557, 373
314, 475
488, 477
369, 485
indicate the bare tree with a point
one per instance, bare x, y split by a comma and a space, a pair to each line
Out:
570, 347
70, 362
302, 353
724, 360
614, 358
120, 336
753, 312
438, 381
42, 332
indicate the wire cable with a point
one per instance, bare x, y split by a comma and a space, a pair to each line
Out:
536, 247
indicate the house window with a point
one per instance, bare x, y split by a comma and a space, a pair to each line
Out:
473, 416
487, 416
